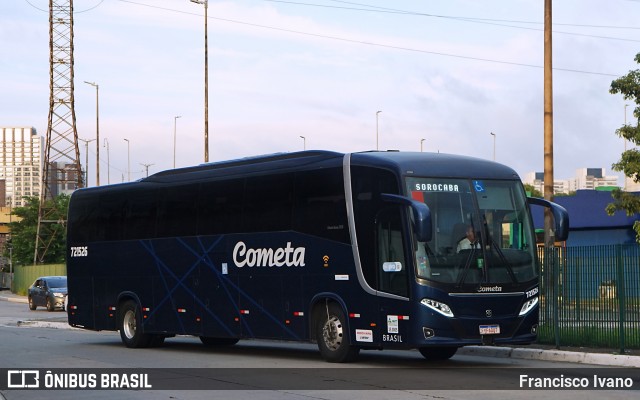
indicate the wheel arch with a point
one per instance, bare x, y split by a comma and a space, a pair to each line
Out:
123, 297
318, 304
126, 296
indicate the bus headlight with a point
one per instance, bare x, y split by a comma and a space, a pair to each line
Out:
437, 306
528, 305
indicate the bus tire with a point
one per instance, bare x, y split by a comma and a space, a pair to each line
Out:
130, 326
437, 353
332, 335
214, 341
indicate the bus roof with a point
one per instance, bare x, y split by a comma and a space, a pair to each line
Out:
405, 163
435, 164
402, 163
257, 164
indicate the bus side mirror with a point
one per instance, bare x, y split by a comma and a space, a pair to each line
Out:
421, 215
560, 216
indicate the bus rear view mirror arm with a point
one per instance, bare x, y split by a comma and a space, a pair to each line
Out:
560, 216
421, 215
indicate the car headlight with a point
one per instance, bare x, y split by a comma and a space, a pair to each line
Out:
57, 294
438, 307
528, 306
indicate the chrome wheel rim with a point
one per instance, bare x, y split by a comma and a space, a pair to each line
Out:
332, 333
129, 324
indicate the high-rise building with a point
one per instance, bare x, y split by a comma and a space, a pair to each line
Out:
21, 158
592, 178
585, 179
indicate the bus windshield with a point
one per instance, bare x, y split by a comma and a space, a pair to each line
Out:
482, 232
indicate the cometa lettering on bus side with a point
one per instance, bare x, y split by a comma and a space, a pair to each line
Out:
289, 256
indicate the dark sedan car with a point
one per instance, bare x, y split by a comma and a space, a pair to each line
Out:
48, 291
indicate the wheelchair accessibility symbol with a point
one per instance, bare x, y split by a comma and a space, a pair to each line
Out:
478, 186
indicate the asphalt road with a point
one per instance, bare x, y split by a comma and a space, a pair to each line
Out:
268, 370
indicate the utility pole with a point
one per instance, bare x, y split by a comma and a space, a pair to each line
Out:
106, 144
146, 166
97, 134
494, 145
206, 79
61, 144
128, 160
549, 234
377, 126
86, 159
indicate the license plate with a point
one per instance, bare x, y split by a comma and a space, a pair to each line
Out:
489, 329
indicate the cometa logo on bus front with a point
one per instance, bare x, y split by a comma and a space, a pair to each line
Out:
289, 256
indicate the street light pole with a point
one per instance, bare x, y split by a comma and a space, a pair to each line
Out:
421, 141
97, 134
206, 80
106, 144
86, 160
494, 145
304, 142
377, 125
128, 161
174, 139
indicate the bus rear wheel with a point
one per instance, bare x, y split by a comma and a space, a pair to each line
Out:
438, 353
332, 335
130, 325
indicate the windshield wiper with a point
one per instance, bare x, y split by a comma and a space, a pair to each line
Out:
498, 250
467, 264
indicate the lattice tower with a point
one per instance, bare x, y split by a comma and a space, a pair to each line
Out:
61, 153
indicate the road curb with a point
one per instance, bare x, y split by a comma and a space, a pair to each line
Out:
46, 324
613, 360
14, 299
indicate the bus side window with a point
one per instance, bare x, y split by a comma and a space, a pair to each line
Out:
391, 262
268, 203
219, 207
319, 208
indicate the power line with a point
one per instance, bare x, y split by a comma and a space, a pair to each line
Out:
372, 43
75, 12
462, 18
484, 21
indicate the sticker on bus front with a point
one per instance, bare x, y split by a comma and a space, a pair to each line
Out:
364, 335
489, 329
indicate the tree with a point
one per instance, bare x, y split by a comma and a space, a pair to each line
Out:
629, 163
23, 232
532, 191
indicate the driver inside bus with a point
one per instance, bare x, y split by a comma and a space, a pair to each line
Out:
469, 241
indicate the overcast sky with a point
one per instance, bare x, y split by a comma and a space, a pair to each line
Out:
446, 71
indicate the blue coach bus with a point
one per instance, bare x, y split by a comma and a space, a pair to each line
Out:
369, 250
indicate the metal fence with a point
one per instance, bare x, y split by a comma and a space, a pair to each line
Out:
590, 296
25, 275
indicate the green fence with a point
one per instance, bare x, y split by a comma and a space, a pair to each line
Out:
24, 276
590, 296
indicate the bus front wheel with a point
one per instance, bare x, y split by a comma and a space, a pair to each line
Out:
131, 326
438, 353
332, 335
